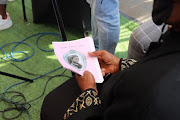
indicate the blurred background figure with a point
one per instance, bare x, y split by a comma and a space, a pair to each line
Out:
105, 23
5, 20
142, 37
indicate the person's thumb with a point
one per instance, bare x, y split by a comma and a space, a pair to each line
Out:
92, 53
86, 73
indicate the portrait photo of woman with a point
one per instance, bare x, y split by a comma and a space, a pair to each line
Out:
76, 59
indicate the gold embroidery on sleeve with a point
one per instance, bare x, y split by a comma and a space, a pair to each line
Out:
125, 63
86, 99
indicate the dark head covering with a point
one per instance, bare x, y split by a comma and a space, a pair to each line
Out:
161, 11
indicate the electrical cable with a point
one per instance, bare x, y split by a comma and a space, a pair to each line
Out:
11, 55
19, 105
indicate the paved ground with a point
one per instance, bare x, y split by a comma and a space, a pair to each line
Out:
139, 10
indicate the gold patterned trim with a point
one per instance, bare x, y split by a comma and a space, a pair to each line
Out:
87, 98
125, 63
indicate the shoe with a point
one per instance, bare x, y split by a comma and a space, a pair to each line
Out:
5, 23
11, 0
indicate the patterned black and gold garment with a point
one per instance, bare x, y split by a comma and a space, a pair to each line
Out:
125, 63
87, 98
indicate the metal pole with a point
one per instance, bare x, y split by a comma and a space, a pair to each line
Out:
59, 20
24, 10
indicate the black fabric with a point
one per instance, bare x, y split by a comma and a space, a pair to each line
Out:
120, 63
90, 113
161, 11
169, 45
59, 100
75, 13
148, 90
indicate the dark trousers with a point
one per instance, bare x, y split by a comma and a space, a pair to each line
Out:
59, 100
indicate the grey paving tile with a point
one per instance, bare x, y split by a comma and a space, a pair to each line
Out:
140, 10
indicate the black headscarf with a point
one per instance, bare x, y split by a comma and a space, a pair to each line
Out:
161, 11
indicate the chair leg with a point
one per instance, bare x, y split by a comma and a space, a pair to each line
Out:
24, 10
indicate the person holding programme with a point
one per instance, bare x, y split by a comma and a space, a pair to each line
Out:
144, 90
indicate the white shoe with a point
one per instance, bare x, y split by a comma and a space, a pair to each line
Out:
5, 23
11, 0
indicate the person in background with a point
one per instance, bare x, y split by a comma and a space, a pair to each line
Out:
144, 90
142, 37
105, 24
5, 20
